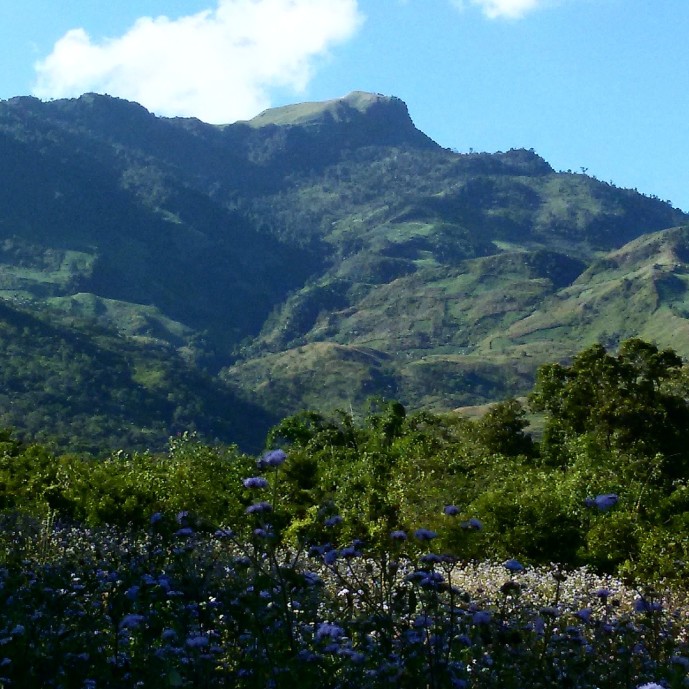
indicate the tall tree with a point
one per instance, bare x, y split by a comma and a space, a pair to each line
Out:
632, 400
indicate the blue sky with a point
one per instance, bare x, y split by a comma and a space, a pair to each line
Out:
595, 84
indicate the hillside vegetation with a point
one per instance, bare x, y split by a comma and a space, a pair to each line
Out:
222, 276
401, 549
605, 485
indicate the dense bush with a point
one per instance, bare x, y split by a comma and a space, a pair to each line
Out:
614, 424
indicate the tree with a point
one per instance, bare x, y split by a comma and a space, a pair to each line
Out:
630, 401
501, 430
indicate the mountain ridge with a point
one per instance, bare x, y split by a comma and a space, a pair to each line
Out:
320, 253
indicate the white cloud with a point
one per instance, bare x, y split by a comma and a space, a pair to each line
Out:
218, 65
510, 9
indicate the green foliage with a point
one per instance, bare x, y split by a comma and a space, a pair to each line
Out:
611, 421
96, 391
126, 489
373, 261
528, 513
626, 401
501, 430
28, 477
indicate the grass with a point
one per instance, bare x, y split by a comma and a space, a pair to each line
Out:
30, 270
621, 297
145, 324
494, 313
306, 113
299, 376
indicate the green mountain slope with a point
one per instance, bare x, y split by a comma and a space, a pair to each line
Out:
312, 256
88, 389
479, 334
82, 215
639, 290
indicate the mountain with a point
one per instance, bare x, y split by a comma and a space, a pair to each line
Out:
313, 256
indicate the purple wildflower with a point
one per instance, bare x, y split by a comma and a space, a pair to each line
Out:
224, 533
307, 656
132, 592
259, 507
425, 534
354, 656
274, 458
398, 535
416, 576
131, 621
472, 524
602, 502
327, 630
312, 579
604, 594
255, 482
644, 605
451, 510
584, 614
319, 550
334, 520
350, 551
197, 641
330, 557
431, 580
481, 617
513, 565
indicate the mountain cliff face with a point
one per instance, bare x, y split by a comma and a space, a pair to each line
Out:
319, 253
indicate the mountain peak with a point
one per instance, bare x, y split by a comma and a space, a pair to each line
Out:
336, 109
382, 119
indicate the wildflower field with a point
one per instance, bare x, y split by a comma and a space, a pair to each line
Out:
178, 607
400, 550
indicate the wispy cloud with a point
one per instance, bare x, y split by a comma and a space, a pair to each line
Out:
219, 65
510, 9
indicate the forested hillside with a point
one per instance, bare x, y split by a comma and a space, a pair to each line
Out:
173, 275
